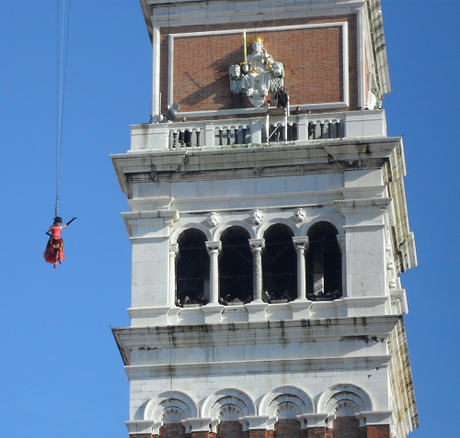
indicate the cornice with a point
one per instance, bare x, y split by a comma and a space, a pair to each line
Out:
243, 333
336, 363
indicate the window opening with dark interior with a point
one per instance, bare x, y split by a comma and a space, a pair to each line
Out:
235, 267
192, 269
279, 264
324, 263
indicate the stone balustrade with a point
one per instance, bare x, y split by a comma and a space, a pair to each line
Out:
242, 132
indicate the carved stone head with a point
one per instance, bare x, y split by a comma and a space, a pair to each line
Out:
256, 216
257, 46
235, 71
213, 219
278, 69
300, 215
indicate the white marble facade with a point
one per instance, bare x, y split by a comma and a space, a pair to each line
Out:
325, 345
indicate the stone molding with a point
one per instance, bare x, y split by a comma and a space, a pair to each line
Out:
272, 400
368, 418
328, 399
316, 420
332, 363
236, 397
258, 422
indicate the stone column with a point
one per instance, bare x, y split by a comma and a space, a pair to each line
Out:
256, 247
213, 251
301, 246
341, 241
173, 249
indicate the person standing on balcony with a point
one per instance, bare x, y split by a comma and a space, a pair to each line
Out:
282, 98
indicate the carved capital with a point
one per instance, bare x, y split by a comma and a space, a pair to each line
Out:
213, 247
300, 242
256, 244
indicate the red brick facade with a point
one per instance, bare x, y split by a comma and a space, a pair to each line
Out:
319, 432
203, 435
288, 428
172, 430
258, 434
230, 429
312, 59
348, 427
382, 431
343, 427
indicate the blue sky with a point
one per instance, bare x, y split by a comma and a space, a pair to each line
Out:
60, 370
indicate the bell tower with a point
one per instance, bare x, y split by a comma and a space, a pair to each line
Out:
269, 227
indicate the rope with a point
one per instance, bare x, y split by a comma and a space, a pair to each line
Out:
62, 41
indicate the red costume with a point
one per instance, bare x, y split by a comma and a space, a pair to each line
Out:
55, 243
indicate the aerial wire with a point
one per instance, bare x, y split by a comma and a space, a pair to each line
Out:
62, 41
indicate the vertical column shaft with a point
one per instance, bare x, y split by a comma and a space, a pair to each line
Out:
256, 247
301, 245
213, 251
341, 241
173, 249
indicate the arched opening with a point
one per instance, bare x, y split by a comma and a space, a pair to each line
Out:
324, 263
192, 269
279, 264
235, 266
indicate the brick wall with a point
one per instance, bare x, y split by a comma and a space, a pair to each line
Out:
172, 430
348, 427
319, 432
230, 429
312, 58
258, 434
378, 431
203, 435
287, 428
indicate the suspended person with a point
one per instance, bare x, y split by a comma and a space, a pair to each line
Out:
54, 251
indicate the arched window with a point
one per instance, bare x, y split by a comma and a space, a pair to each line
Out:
324, 263
192, 270
235, 266
279, 264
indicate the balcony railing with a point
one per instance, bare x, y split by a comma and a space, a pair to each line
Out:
240, 132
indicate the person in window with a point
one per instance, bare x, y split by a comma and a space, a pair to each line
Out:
266, 297
54, 251
203, 300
